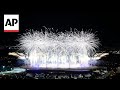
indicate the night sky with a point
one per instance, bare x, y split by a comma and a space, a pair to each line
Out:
105, 24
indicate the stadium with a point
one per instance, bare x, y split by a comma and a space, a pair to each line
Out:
31, 66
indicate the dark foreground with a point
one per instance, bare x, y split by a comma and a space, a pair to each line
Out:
98, 73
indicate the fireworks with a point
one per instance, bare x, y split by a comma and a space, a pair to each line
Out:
61, 50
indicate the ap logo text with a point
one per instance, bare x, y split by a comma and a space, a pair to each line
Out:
11, 23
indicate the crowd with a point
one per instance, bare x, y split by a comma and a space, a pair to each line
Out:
97, 74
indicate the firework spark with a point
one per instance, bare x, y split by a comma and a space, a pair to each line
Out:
61, 50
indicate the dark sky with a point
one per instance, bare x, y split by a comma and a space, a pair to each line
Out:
105, 24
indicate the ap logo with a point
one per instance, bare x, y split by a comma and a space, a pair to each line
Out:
11, 23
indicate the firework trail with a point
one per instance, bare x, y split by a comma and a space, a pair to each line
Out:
61, 50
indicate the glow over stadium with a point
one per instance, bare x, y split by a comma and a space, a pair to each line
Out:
73, 49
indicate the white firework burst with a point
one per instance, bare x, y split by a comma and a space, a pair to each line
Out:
61, 50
